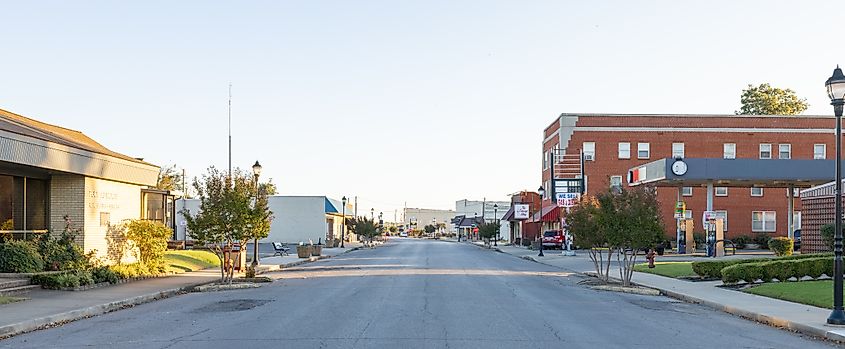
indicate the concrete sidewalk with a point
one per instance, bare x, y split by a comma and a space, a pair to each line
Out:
44, 308
805, 319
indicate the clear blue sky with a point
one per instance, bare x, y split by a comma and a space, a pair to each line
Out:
420, 101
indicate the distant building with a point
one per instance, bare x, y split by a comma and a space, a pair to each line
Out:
488, 211
417, 218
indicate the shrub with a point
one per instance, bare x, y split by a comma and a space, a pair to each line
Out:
741, 241
60, 255
69, 279
20, 257
827, 235
128, 271
781, 269
781, 246
151, 239
713, 268
699, 239
104, 274
761, 240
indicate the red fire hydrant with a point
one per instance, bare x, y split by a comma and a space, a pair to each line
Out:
650, 257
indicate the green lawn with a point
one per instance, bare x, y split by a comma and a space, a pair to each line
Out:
189, 260
6, 300
817, 293
668, 269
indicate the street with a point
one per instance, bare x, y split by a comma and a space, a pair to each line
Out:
416, 294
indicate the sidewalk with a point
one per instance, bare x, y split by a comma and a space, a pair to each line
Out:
46, 307
805, 319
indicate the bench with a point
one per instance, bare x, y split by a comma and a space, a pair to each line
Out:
281, 249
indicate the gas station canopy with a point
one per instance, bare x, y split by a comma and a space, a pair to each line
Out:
772, 173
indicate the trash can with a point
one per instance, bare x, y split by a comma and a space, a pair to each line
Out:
303, 251
316, 250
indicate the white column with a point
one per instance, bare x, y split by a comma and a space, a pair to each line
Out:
790, 212
710, 196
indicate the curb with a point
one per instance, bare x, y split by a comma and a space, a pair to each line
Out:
277, 267
73, 315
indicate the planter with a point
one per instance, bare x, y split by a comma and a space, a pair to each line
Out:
303, 251
330, 243
316, 250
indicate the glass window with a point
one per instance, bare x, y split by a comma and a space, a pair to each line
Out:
155, 207
589, 151
723, 215
819, 151
615, 181
686, 191
643, 150
677, 150
36, 204
687, 214
763, 221
624, 150
17, 214
545, 160
721, 191
729, 150
796, 220
756, 191
784, 151
765, 151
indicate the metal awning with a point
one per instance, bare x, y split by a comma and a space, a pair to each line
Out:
774, 173
547, 214
508, 216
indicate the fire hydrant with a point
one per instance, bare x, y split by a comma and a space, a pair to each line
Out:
650, 257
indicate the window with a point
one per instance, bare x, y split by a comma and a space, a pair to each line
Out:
729, 150
765, 151
721, 191
677, 150
796, 192
643, 150
723, 215
615, 181
796, 220
686, 191
589, 151
545, 160
819, 151
784, 151
687, 214
756, 191
624, 150
763, 221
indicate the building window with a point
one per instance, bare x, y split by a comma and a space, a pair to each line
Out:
796, 220
589, 151
723, 215
624, 150
796, 192
729, 150
721, 191
677, 150
546, 160
687, 214
819, 151
686, 191
765, 151
784, 151
643, 150
616, 181
755, 191
763, 221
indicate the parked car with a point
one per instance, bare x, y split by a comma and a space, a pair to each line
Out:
796, 245
403, 234
553, 239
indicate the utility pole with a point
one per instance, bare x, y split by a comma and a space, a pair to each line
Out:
230, 130
356, 207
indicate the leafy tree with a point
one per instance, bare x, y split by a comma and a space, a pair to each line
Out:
169, 178
231, 211
584, 227
364, 227
488, 230
267, 188
393, 229
768, 100
639, 226
430, 229
150, 238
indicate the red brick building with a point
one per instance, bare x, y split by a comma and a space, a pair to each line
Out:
612, 144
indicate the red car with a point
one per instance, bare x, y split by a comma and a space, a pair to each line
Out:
553, 239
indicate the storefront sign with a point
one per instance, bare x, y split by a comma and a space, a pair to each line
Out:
567, 199
520, 211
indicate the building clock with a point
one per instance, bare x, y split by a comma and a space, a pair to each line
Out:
679, 168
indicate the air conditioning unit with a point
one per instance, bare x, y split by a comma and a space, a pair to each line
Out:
588, 157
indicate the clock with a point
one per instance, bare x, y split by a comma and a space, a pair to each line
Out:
679, 168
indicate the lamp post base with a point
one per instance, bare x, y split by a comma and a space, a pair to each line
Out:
837, 317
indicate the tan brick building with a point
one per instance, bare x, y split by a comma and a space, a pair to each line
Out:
612, 144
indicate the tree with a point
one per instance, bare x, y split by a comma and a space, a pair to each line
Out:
768, 100
267, 188
638, 226
362, 226
586, 231
230, 212
150, 238
488, 230
429, 229
169, 178
392, 229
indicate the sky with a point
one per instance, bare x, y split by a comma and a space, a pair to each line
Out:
417, 103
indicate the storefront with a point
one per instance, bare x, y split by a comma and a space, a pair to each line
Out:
51, 175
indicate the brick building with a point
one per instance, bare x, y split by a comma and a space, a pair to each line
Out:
612, 144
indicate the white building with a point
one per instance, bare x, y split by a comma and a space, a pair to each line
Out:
425, 216
490, 210
296, 218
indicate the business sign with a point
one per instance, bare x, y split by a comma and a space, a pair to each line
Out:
680, 209
520, 211
567, 199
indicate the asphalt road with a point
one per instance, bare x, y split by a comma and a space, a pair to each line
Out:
416, 294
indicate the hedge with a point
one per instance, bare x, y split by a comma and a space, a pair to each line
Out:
781, 269
781, 246
713, 268
20, 257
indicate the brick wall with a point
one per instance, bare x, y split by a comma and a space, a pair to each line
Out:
67, 193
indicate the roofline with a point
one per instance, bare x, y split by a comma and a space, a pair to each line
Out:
696, 115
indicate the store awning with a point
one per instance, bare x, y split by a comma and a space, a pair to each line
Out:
547, 214
509, 215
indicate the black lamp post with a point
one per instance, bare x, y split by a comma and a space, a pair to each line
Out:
372, 214
542, 192
836, 91
256, 171
343, 228
496, 220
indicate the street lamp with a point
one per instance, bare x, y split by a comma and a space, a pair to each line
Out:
256, 171
836, 91
343, 228
495, 218
372, 214
542, 192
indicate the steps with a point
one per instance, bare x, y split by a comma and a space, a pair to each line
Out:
15, 287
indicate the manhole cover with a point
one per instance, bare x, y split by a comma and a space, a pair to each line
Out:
232, 305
